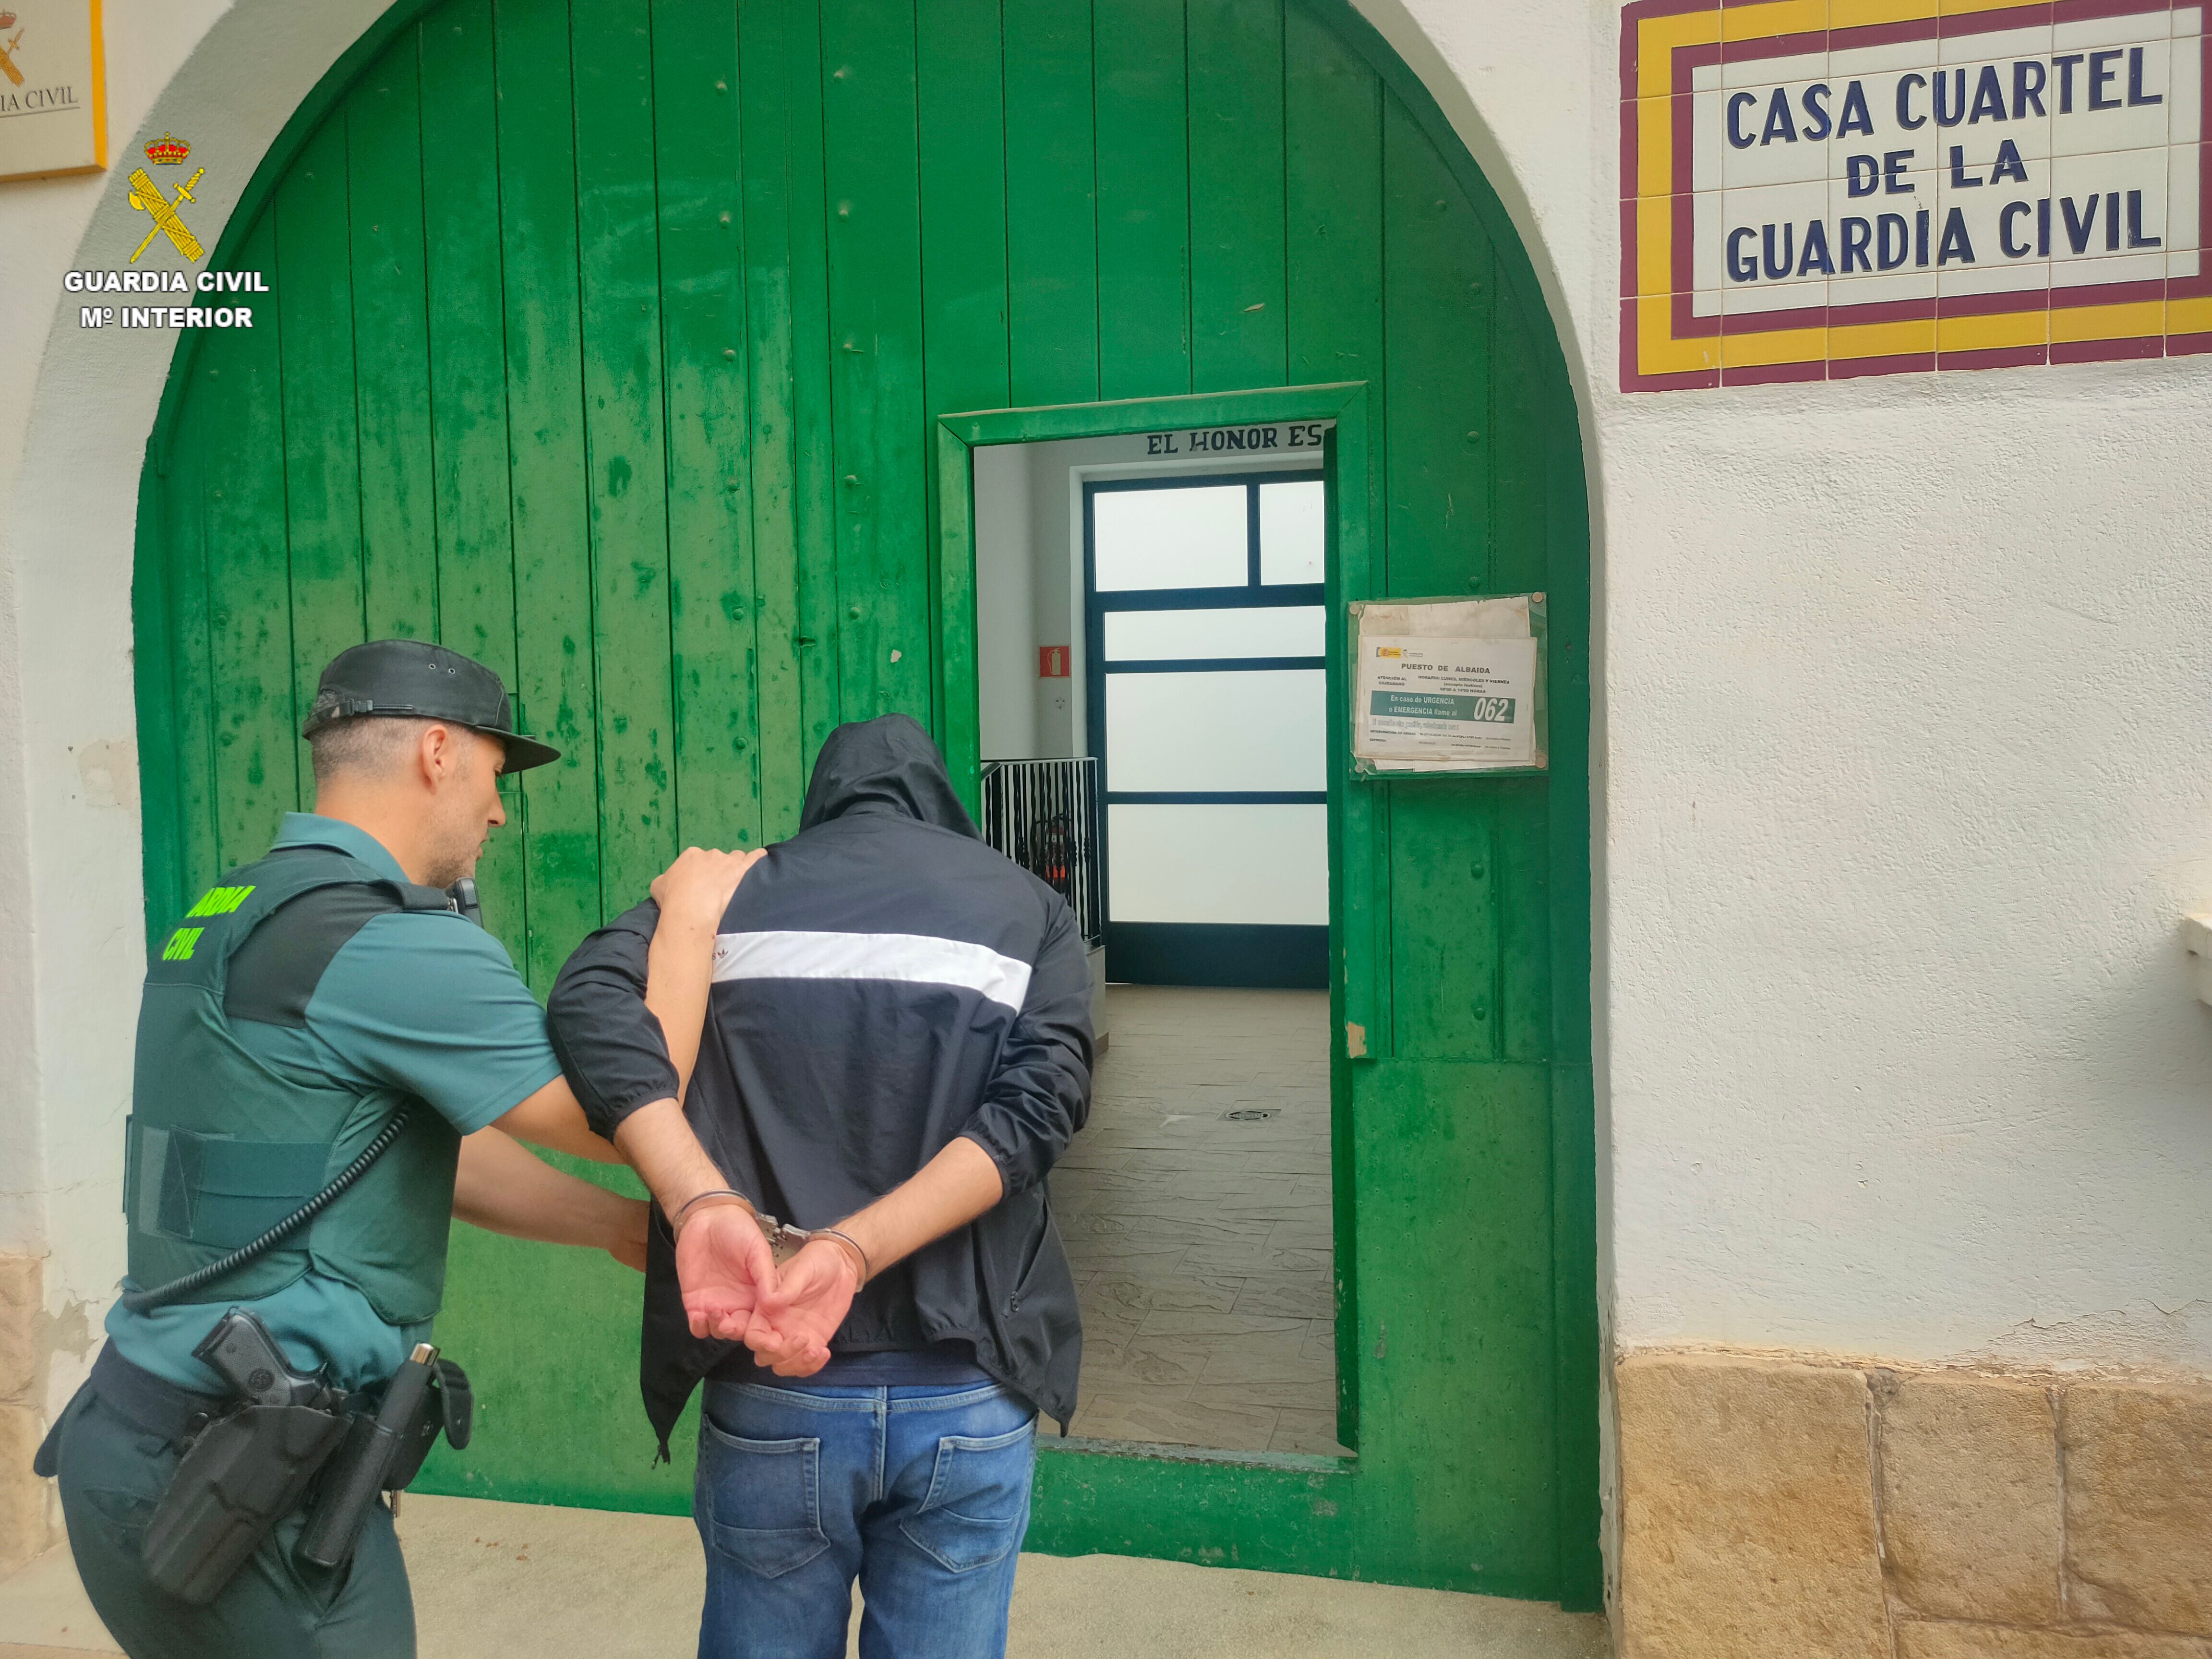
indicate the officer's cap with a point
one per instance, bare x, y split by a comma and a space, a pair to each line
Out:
416, 680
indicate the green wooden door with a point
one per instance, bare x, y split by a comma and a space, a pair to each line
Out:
607, 345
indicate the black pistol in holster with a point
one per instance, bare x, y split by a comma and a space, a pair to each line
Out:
383, 1451
246, 1469
257, 1461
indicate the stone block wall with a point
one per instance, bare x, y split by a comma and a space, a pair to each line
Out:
1774, 1508
26, 1527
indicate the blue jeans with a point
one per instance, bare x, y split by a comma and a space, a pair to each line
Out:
922, 1493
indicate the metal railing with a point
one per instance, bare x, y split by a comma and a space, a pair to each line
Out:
1044, 815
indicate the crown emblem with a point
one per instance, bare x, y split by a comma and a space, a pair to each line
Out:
168, 150
7, 20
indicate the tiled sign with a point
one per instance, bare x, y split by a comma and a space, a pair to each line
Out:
1817, 189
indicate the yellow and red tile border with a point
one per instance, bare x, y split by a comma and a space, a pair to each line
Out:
1666, 346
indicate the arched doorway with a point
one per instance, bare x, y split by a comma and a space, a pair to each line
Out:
606, 343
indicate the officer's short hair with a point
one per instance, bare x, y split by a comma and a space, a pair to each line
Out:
365, 743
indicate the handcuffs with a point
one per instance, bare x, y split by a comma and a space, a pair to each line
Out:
784, 1240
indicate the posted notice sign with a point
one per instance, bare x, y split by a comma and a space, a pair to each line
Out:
1447, 687
1814, 189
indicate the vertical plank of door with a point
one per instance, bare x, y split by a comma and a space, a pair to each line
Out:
763, 99
1444, 919
960, 95
322, 449
1574, 1131
961, 733
625, 448
468, 397
256, 761
1144, 200
1237, 287
186, 687
1333, 264
160, 538
1519, 436
1524, 917
713, 613
1333, 278
1360, 925
1052, 223
392, 348
1436, 278
961, 89
814, 495
548, 500
886, 653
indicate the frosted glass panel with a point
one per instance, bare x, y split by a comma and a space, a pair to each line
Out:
1218, 864
1156, 636
1293, 532
1169, 538
1232, 729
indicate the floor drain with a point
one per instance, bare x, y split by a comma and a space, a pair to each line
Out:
1249, 1114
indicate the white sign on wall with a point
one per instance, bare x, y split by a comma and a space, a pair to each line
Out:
1984, 185
53, 100
1853, 178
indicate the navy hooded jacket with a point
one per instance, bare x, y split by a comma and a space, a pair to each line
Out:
884, 982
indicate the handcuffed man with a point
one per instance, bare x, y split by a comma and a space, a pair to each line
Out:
891, 1030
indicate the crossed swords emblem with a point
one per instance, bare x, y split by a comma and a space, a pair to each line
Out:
145, 193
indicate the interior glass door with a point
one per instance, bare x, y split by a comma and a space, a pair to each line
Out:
1207, 711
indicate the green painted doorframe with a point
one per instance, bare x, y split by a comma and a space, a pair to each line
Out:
1467, 1346
1329, 1515
1351, 870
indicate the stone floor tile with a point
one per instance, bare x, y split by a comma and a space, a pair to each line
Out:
1251, 1257
1248, 1361
1172, 1363
1179, 1423
1210, 1327
1293, 1394
1300, 1297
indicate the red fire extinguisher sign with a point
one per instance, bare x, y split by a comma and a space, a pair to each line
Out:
1052, 662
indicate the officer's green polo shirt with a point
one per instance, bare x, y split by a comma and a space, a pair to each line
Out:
418, 1000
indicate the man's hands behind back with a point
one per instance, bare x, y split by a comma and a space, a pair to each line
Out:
723, 1265
733, 1291
796, 1315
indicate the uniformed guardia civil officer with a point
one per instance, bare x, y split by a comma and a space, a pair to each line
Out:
307, 1004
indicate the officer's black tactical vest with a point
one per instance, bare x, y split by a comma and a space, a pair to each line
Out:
220, 1145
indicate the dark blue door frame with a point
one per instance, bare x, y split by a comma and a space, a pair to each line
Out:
1254, 955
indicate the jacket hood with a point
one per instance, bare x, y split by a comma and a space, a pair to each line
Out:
887, 764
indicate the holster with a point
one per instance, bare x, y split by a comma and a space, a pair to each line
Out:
373, 1461
245, 1472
